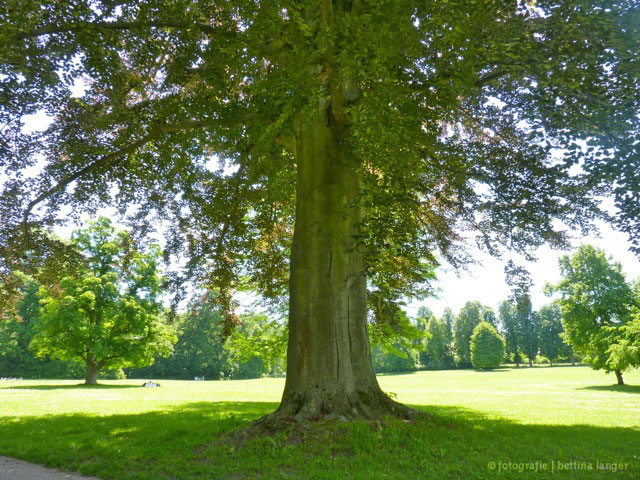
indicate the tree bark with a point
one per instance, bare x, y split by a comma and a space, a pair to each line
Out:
91, 377
329, 368
530, 363
619, 377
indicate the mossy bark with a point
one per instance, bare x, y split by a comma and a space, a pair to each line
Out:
329, 368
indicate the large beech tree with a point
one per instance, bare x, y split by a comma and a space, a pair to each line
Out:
334, 150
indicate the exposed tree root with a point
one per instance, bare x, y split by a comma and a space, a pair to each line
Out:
370, 406
318, 427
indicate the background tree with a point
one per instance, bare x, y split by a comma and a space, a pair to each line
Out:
436, 350
596, 302
16, 333
357, 139
509, 325
469, 316
424, 313
489, 316
258, 343
394, 359
448, 318
487, 346
527, 325
550, 332
625, 353
396, 346
108, 315
200, 349
422, 319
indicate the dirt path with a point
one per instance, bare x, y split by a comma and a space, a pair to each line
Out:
12, 469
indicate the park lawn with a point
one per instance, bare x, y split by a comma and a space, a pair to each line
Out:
483, 425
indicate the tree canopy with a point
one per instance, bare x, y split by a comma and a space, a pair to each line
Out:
478, 93
283, 140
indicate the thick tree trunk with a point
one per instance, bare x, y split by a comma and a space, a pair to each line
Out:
91, 377
530, 363
619, 377
329, 368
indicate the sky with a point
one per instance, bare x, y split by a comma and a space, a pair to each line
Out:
485, 280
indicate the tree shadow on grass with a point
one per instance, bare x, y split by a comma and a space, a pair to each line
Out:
614, 388
193, 441
76, 386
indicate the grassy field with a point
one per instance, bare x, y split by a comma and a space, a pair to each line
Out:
483, 425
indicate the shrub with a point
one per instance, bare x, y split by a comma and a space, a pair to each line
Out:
487, 346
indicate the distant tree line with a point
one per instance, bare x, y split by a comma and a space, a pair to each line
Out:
446, 342
595, 318
100, 313
256, 347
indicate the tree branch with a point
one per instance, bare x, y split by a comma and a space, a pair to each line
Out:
481, 82
107, 159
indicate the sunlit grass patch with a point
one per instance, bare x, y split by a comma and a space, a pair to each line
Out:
181, 430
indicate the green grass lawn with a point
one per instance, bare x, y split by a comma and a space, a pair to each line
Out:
503, 419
